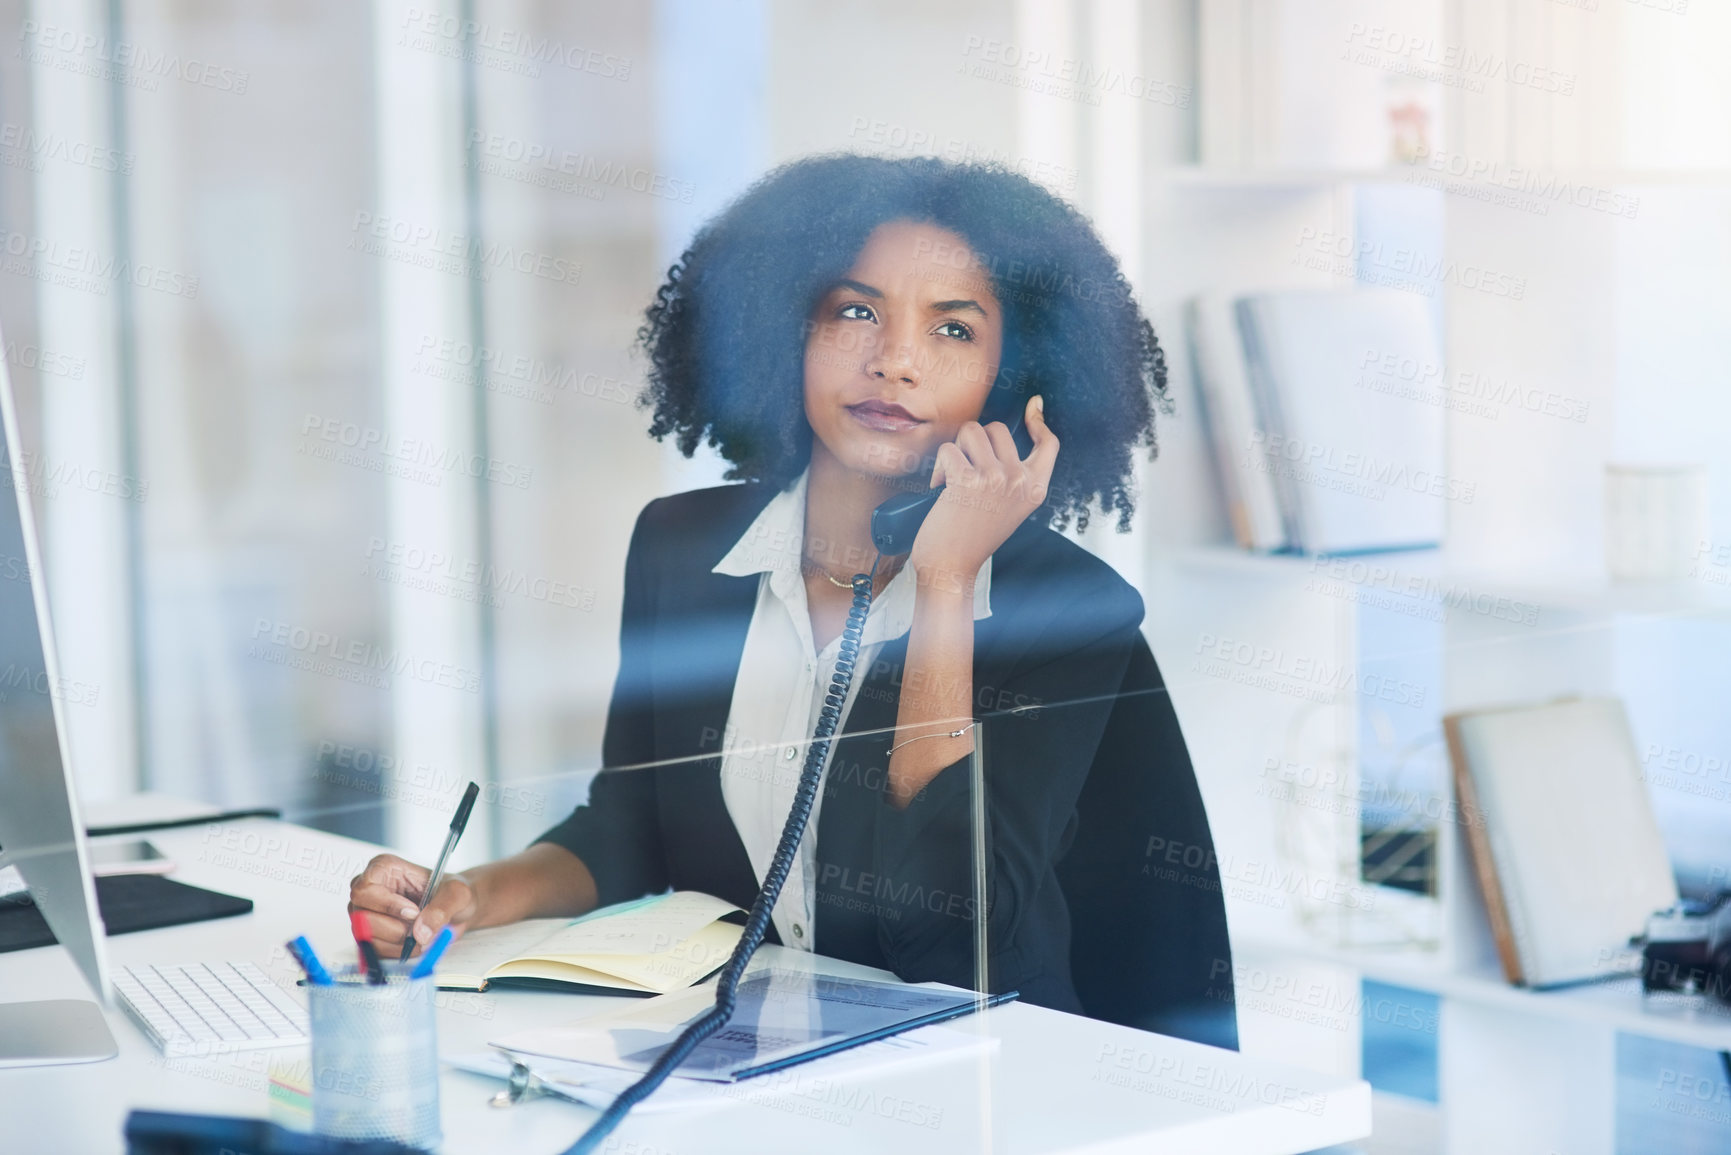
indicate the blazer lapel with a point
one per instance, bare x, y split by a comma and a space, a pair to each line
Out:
700, 638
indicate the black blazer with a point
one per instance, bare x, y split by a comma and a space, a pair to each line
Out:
893, 887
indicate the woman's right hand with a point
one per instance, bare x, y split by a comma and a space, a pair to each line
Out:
390, 890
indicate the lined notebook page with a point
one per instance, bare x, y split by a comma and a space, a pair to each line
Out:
649, 929
470, 958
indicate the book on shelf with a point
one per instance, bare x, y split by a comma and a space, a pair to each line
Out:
1352, 436
1325, 419
1279, 88
1562, 836
1229, 414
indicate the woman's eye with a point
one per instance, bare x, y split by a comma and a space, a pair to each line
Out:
957, 330
856, 312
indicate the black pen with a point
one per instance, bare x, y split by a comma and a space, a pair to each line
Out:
457, 824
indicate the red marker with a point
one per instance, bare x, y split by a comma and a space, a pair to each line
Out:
370, 964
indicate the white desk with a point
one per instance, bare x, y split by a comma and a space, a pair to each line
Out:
1055, 1082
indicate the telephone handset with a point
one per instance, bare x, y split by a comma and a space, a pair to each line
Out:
895, 523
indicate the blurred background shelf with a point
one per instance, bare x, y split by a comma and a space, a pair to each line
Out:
1419, 172
1614, 1004
1424, 576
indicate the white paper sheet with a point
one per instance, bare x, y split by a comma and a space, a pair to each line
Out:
596, 1085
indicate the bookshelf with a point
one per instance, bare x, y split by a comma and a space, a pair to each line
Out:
1623, 313
1620, 311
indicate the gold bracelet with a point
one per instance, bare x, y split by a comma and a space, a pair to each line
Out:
922, 737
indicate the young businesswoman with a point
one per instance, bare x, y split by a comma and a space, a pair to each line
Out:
849, 329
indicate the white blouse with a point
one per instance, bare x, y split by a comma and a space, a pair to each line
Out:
780, 690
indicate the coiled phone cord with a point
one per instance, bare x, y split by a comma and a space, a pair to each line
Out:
757, 925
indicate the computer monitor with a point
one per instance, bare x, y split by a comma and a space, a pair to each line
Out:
41, 832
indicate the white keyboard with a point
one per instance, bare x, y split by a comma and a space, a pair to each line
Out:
209, 1008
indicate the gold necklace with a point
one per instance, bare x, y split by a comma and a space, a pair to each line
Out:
887, 576
813, 567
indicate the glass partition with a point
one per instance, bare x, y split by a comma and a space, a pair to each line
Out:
339, 333
1026, 869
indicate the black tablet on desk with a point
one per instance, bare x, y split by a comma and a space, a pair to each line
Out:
128, 902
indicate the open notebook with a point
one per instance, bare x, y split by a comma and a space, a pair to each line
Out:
648, 947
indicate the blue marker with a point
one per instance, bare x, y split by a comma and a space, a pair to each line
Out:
431, 958
302, 950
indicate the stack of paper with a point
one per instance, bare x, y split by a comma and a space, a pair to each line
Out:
597, 1085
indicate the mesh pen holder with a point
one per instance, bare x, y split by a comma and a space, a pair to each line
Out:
375, 1058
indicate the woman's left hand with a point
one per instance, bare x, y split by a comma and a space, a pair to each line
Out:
989, 490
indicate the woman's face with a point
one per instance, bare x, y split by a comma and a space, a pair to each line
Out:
902, 352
